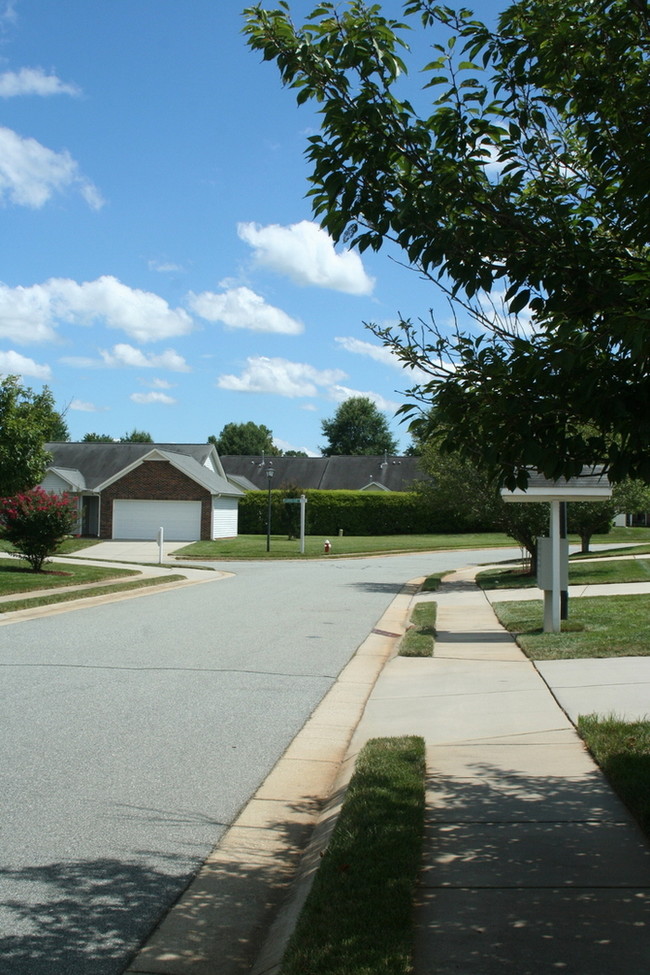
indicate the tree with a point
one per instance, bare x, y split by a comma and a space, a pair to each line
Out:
137, 436
36, 522
357, 427
27, 422
245, 439
471, 501
295, 453
97, 438
520, 191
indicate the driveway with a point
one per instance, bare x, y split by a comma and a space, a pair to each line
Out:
134, 732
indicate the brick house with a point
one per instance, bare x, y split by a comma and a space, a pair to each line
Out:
130, 490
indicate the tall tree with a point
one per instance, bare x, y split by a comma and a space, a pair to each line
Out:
520, 191
97, 438
137, 436
245, 439
357, 427
28, 421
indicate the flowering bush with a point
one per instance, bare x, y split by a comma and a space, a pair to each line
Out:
36, 522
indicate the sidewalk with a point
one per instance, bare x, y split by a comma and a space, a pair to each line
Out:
532, 865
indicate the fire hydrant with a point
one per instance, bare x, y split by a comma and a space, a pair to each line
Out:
327, 546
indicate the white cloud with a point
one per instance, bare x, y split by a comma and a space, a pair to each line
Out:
380, 353
242, 308
305, 252
31, 314
30, 174
152, 398
281, 377
25, 314
161, 384
12, 363
33, 81
127, 355
164, 267
340, 393
383, 355
83, 407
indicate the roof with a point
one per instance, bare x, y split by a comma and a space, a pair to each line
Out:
74, 478
351, 473
590, 485
99, 464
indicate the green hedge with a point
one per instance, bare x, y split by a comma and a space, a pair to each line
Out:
353, 512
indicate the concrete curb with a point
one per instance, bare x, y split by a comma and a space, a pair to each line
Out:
242, 906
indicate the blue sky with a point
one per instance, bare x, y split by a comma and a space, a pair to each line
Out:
159, 265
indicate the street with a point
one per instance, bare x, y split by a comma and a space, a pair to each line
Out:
134, 732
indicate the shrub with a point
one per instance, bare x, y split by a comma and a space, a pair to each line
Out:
36, 522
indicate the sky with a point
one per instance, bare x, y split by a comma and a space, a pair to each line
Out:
160, 267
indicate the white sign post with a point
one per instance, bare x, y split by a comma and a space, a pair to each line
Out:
302, 501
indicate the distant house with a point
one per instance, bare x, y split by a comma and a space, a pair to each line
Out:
350, 473
130, 490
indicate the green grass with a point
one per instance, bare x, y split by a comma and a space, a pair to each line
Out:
16, 575
419, 640
67, 547
254, 546
598, 626
432, 582
14, 605
357, 919
580, 574
622, 749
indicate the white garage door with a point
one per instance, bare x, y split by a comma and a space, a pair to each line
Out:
180, 520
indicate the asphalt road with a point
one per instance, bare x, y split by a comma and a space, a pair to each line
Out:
133, 733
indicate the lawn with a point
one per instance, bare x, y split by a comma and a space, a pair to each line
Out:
358, 917
580, 574
598, 626
16, 575
254, 546
419, 639
622, 749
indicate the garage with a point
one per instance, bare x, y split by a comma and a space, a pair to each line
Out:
180, 520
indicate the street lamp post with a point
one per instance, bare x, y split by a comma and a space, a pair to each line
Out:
269, 475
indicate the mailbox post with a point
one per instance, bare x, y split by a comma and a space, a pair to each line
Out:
591, 485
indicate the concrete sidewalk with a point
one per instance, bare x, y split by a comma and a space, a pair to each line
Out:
532, 865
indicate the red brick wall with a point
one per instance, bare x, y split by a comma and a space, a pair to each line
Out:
154, 480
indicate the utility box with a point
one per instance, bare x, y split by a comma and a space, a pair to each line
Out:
545, 563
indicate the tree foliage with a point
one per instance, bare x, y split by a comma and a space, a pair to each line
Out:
97, 438
245, 439
514, 180
357, 427
36, 522
137, 436
28, 420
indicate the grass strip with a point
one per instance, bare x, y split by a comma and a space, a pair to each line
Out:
622, 749
598, 626
432, 582
13, 605
17, 576
419, 639
254, 546
358, 917
580, 574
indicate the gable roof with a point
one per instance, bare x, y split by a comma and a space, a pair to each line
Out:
351, 473
100, 464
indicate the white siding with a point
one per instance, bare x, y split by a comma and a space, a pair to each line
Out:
54, 484
224, 517
180, 520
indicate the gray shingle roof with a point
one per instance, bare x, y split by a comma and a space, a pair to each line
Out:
99, 462
327, 473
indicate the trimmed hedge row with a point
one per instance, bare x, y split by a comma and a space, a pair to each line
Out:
353, 512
